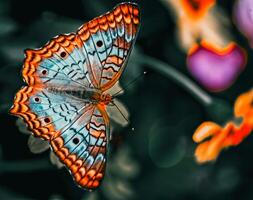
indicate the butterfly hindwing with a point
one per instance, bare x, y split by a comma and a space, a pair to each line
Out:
76, 130
82, 148
45, 112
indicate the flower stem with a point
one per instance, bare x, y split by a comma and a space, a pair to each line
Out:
171, 73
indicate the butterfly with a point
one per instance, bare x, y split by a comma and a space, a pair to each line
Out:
66, 95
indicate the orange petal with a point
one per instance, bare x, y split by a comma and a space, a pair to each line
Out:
230, 135
204, 154
238, 134
205, 130
210, 150
196, 9
215, 48
243, 104
249, 119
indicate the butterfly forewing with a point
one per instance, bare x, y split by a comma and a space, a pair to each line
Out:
57, 64
108, 41
90, 60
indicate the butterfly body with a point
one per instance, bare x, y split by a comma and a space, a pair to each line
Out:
66, 95
87, 95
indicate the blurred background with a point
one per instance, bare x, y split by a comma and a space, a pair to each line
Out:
153, 157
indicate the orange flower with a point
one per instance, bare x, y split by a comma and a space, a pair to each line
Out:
196, 9
199, 19
231, 134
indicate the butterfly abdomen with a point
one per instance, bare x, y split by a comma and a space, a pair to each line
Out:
91, 95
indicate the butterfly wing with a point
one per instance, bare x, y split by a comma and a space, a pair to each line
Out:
60, 63
82, 148
76, 130
108, 41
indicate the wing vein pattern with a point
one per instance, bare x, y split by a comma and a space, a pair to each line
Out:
92, 59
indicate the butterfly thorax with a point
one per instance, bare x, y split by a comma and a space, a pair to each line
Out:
90, 95
102, 98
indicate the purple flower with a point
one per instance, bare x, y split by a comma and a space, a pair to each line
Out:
216, 69
243, 15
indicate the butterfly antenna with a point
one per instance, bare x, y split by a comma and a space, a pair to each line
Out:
120, 112
130, 83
